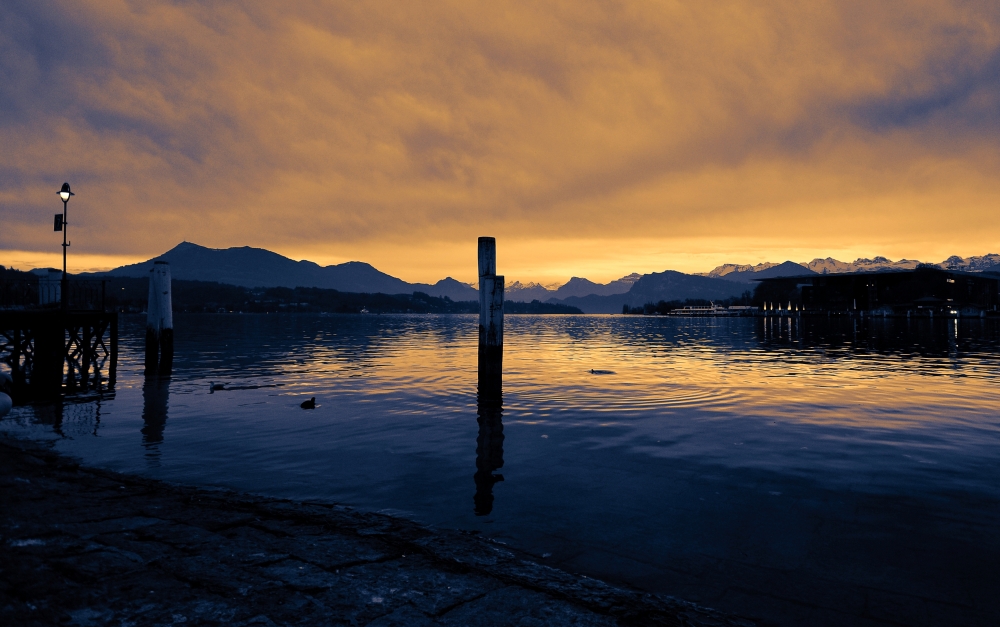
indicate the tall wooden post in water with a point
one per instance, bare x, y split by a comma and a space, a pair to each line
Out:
489, 444
159, 321
491, 295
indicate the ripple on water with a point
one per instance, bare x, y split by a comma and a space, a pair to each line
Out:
760, 443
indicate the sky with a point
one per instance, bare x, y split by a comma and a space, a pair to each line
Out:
590, 138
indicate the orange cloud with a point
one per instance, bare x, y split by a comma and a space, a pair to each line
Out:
672, 133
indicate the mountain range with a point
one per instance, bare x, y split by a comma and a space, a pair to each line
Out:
657, 286
259, 268
735, 272
574, 287
256, 267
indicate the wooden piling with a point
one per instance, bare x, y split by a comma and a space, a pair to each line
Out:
113, 350
487, 256
159, 321
56, 350
491, 295
48, 357
489, 444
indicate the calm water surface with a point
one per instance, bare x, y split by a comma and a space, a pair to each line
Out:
813, 471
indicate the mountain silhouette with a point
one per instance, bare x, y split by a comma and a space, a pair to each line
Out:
256, 267
657, 286
788, 268
582, 287
576, 286
525, 293
829, 265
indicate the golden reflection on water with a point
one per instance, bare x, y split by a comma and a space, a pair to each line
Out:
698, 367
620, 379
883, 374
712, 453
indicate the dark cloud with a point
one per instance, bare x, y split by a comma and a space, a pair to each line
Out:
960, 96
381, 123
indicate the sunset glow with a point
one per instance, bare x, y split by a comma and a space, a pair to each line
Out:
591, 139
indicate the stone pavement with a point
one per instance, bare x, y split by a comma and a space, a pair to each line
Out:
83, 546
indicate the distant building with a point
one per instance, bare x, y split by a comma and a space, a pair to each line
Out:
926, 289
49, 285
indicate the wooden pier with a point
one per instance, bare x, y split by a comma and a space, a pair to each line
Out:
53, 350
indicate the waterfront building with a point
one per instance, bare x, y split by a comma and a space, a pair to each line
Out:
924, 290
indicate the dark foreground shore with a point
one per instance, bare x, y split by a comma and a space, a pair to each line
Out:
83, 546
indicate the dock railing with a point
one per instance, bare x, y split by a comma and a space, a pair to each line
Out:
42, 293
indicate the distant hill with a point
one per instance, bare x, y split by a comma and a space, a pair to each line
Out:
672, 285
259, 268
525, 293
657, 286
787, 268
256, 267
576, 286
455, 290
582, 287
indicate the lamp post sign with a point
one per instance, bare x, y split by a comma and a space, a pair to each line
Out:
61, 225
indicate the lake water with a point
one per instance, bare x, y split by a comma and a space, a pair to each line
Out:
795, 471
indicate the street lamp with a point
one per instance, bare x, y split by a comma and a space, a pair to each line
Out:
64, 194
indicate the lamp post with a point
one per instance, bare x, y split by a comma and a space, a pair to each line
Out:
64, 194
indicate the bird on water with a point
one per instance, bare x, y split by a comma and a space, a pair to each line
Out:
310, 404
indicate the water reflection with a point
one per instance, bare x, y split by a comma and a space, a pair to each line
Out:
826, 455
73, 417
155, 401
884, 336
51, 415
489, 443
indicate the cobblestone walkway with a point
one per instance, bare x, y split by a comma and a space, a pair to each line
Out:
81, 546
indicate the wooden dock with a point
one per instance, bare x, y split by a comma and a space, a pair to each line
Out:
53, 350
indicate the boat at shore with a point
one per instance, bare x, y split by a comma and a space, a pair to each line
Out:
715, 310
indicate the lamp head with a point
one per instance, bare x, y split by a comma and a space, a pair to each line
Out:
64, 193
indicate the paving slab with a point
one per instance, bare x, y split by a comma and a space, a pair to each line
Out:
85, 546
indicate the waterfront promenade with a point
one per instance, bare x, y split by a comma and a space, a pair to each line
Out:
83, 546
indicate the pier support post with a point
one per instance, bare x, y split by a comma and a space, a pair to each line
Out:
49, 357
159, 321
491, 295
489, 444
113, 350
51, 351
